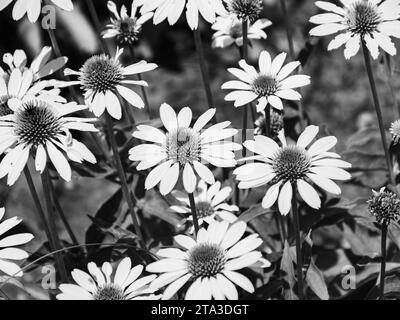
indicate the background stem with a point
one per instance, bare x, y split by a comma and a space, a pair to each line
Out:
203, 68
299, 260
383, 261
194, 213
124, 184
378, 112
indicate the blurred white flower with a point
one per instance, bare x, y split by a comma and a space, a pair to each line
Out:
97, 284
172, 10
21, 82
210, 263
41, 128
101, 77
271, 84
183, 148
371, 21
33, 8
123, 27
282, 167
229, 30
210, 203
7, 244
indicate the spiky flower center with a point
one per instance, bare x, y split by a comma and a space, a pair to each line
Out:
276, 123
246, 9
206, 260
395, 131
100, 74
291, 163
204, 209
109, 291
183, 146
363, 17
4, 109
265, 85
36, 123
128, 30
385, 206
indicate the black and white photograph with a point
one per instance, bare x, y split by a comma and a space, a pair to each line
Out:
230, 152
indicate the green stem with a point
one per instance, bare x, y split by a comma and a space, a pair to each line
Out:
203, 69
396, 111
383, 262
194, 213
52, 224
124, 184
299, 260
62, 215
378, 112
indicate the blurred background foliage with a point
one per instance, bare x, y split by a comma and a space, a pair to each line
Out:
338, 100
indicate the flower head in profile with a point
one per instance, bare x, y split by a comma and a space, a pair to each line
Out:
102, 284
102, 78
268, 86
8, 243
384, 205
21, 82
370, 21
124, 27
183, 149
290, 165
32, 8
211, 204
42, 128
245, 10
229, 31
171, 10
209, 263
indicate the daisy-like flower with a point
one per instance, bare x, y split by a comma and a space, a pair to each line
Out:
102, 77
271, 84
172, 10
371, 21
209, 263
293, 165
7, 244
33, 8
210, 204
25, 83
97, 284
42, 128
183, 148
384, 205
229, 30
125, 28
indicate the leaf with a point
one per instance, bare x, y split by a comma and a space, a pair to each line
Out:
11, 280
289, 274
253, 212
316, 281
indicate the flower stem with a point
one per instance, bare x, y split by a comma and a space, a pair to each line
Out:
124, 184
194, 213
292, 56
52, 224
143, 89
378, 112
383, 261
396, 111
62, 215
299, 259
244, 57
268, 120
203, 68
97, 24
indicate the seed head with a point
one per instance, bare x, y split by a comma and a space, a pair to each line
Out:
246, 9
384, 206
206, 260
